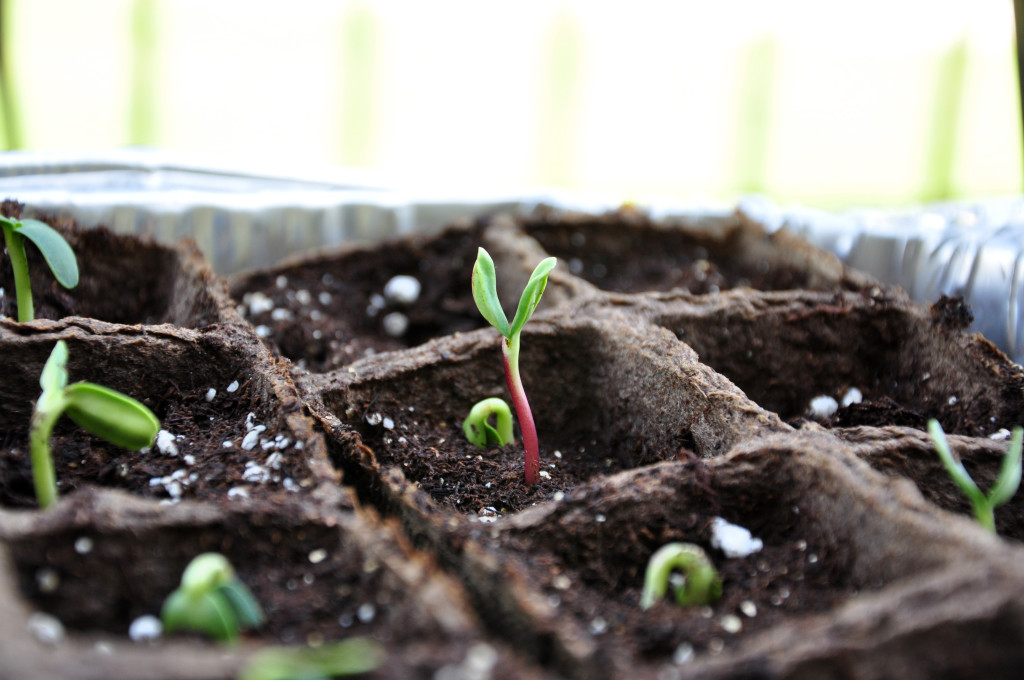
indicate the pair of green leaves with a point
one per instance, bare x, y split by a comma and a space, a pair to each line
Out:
1002, 491
100, 410
59, 256
211, 600
485, 294
104, 412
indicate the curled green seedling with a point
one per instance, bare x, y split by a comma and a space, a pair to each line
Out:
480, 432
55, 250
1007, 482
485, 294
211, 600
104, 412
353, 656
701, 584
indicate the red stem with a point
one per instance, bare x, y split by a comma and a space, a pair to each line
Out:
510, 353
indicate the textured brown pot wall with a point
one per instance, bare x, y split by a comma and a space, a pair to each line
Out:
670, 368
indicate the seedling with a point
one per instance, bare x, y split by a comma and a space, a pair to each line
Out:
1001, 492
55, 250
700, 586
211, 600
104, 412
480, 432
485, 293
349, 657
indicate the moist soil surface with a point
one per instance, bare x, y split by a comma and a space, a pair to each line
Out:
321, 320
644, 258
490, 482
209, 459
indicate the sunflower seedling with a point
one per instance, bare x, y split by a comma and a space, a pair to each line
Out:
55, 250
485, 294
104, 412
1001, 492
211, 600
700, 583
480, 432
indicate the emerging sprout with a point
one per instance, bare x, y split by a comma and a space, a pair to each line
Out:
211, 600
482, 433
1006, 483
55, 250
701, 584
485, 294
348, 657
116, 417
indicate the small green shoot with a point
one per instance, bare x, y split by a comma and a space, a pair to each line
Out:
1001, 492
118, 418
55, 250
480, 432
485, 294
211, 600
349, 657
700, 586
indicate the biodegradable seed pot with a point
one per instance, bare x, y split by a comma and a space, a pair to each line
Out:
696, 381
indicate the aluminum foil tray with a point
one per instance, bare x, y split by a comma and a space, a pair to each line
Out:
245, 217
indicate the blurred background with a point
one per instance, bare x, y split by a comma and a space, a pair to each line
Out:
879, 102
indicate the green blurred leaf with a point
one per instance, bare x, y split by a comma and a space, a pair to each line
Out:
485, 292
531, 294
56, 251
1009, 473
348, 657
111, 415
55, 374
206, 613
243, 604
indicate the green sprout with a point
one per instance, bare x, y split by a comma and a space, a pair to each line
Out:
701, 584
348, 657
482, 433
1001, 492
485, 294
55, 250
106, 413
211, 600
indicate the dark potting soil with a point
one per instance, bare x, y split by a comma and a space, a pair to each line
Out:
593, 568
313, 580
211, 459
436, 455
628, 254
330, 310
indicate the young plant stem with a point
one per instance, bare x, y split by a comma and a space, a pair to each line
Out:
510, 353
43, 474
22, 284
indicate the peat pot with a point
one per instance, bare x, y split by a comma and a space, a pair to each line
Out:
311, 420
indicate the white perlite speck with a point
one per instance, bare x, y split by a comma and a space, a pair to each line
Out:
46, 629
210, 394
732, 539
395, 324
165, 443
852, 396
258, 303
374, 418
822, 407
402, 289
233, 387
145, 628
